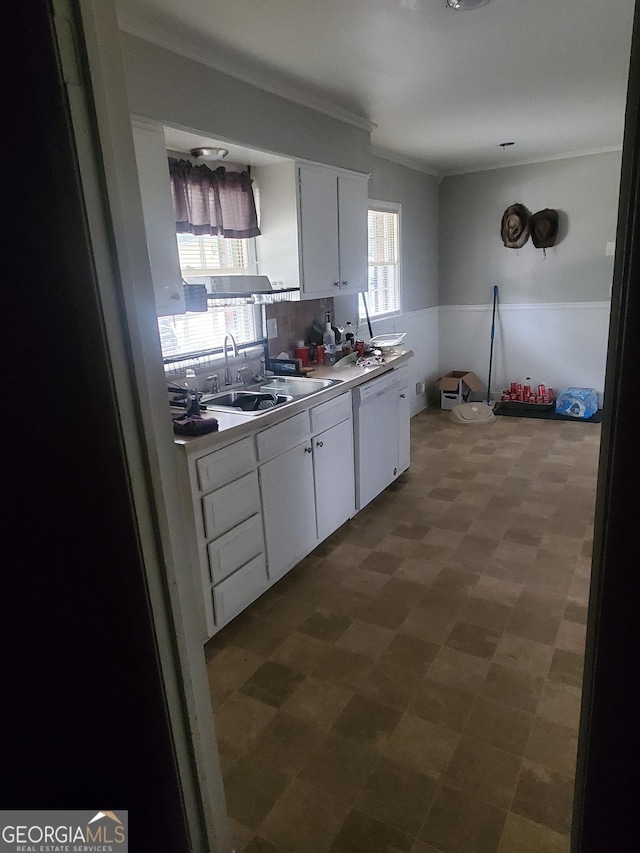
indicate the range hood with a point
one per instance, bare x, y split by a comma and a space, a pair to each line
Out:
243, 286
222, 291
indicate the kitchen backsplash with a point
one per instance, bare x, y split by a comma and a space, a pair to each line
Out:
294, 320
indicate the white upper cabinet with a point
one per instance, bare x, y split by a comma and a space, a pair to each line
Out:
159, 220
352, 223
313, 222
319, 235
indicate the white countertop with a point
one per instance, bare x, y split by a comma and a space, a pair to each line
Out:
232, 426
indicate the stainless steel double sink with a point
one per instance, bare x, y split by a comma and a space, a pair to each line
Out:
260, 397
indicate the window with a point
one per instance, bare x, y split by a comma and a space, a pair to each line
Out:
383, 295
200, 332
204, 255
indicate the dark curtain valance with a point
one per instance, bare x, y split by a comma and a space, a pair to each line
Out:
208, 201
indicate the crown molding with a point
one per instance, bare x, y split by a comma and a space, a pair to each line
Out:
393, 157
566, 156
133, 26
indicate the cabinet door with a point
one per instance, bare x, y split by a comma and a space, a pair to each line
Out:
404, 429
352, 223
159, 219
318, 211
288, 507
334, 481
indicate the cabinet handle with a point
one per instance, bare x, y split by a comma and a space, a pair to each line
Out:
402, 396
307, 450
345, 284
395, 471
336, 284
319, 444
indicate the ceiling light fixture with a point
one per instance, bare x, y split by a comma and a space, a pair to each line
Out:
209, 153
466, 5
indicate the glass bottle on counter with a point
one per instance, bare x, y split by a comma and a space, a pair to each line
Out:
192, 398
329, 341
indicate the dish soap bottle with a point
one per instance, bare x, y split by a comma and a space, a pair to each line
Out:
329, 341
192, 398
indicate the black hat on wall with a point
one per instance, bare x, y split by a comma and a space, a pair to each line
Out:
544, 228
515, 226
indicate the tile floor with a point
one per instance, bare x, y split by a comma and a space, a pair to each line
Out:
414, 684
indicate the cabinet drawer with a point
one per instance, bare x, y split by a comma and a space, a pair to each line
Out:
238, 591
281, 437
330, 413
230, 505
235, 548
222, 466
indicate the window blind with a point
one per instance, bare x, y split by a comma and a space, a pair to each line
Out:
201, 332
204, 255
383, 294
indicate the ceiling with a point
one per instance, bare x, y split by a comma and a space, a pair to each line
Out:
440, 89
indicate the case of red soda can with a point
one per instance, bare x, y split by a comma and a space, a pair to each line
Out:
523, 393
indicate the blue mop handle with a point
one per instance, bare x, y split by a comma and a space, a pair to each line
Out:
493, 332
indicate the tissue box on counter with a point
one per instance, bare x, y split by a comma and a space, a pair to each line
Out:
577, 402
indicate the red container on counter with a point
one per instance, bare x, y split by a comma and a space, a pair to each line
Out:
320, 354
303, 354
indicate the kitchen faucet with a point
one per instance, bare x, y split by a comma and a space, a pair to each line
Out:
227, 371
260, 377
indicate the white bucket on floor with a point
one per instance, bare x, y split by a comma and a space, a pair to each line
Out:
472, 413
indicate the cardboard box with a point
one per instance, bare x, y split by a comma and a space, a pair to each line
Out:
458, 386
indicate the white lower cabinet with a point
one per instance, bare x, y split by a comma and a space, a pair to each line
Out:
333, 478
261, 504
229, 534
288, 507
307, 491
333, 463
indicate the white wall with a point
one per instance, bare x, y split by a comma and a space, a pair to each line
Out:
183, 93
417, 193
558, 344
553, 312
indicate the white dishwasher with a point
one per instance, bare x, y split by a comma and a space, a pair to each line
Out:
375, 416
